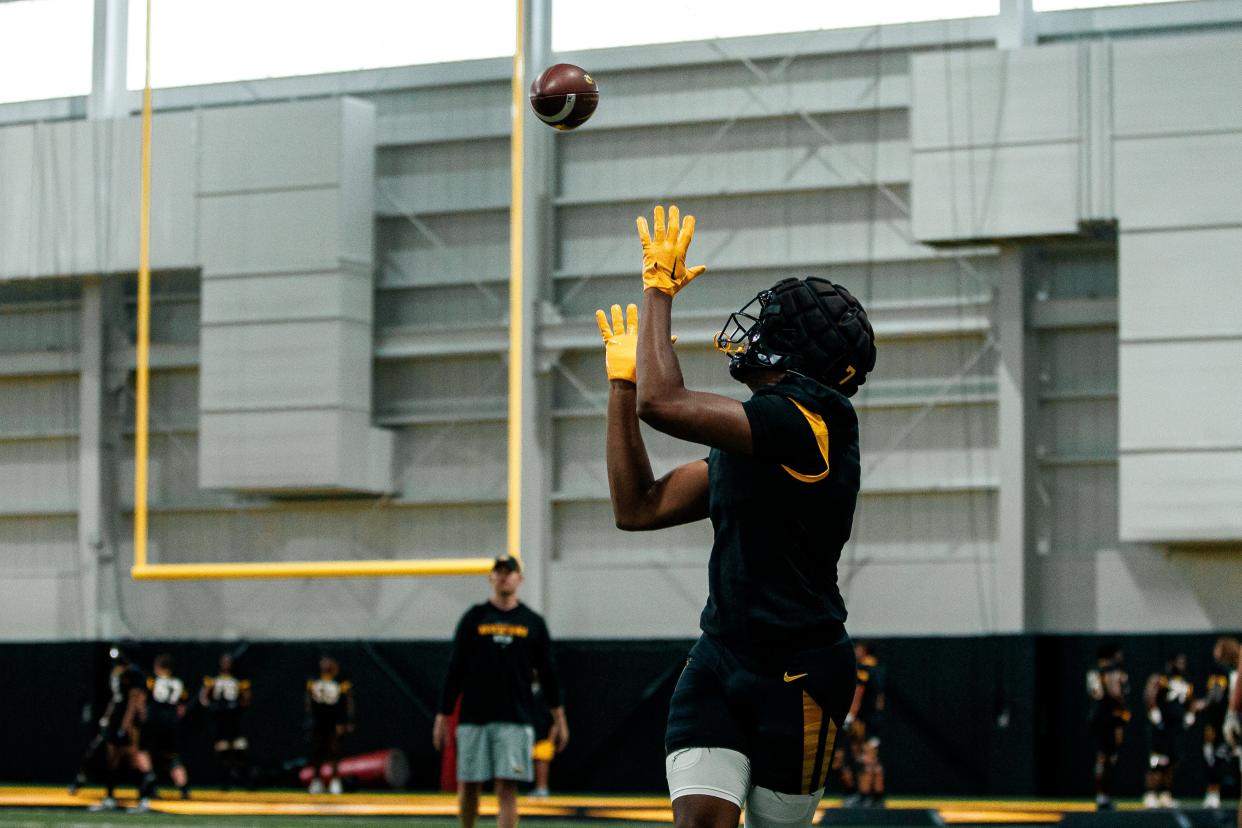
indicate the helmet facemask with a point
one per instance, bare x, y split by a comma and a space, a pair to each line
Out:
809, 327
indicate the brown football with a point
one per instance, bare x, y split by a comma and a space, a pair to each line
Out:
564, 96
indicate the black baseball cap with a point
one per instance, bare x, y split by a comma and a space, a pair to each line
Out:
507, 562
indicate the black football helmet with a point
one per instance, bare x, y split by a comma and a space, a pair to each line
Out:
810, 326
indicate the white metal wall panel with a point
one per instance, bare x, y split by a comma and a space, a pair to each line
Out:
1191, 496
451, 462
283, 364
286, 231
38, 476
1188, 181
1199, 266
1161, 85
1181, 396
69, 193
38, 406
305, 296
270, 146
975, 97
997, 191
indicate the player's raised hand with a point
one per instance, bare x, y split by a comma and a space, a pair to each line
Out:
664, 256
620, 342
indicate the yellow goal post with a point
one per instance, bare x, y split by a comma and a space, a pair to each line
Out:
143, 570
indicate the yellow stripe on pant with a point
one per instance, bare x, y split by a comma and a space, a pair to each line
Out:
818, 743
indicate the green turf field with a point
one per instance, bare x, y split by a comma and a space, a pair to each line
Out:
70, 818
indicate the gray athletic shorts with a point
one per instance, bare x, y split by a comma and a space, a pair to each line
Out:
499, 750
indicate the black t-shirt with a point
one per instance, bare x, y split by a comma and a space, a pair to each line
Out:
166, 694
330, 699
1103, 705
781, 518
121, 681
1174, 694
1216, 698
871, 676
225, 692
496, 654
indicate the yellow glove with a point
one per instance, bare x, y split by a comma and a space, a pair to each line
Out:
664, 259
620, 342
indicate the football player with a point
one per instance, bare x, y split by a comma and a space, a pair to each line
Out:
226, 696
161, 732
124, 718
755, 714
1220, 758
1107, 687
1168, 697
330, 706
863, 725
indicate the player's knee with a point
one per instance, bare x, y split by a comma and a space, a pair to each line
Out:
766, 808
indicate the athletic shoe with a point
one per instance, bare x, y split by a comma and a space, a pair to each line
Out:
1103, 803
1167, 800
1212, 799
854, 800
334, 787
316, 786
540, 793
143, 807
105, 804
1150, 800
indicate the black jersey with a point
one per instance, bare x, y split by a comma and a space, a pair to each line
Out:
781, 518
871, 676
496, 655
1174, 693
1104, 706
330, 699
122, 679
165, 695
224, 692
1216, 698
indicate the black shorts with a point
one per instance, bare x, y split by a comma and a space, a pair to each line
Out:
782, 713
1106, 733
1165, 741
228, 726
325, 744
163, 741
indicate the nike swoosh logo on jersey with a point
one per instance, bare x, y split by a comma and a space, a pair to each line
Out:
789, 678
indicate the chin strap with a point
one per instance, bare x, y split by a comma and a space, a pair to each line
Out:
820, 430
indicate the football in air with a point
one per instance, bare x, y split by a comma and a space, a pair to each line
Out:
564, 96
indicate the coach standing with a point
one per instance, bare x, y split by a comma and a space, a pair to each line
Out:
498, 648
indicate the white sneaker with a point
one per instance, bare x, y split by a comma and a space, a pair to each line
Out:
334, 787
1150, 800
540, 793
1212, 799
105, 804
316, 786
1167, 800
143, 807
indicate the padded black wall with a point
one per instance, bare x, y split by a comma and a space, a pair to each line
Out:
1002, 715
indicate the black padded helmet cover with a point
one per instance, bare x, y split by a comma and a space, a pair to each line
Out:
811, 327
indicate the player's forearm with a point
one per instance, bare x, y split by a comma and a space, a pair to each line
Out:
660, 383
629, 468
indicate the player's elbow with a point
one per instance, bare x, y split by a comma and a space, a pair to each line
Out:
627, 522
657, 412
